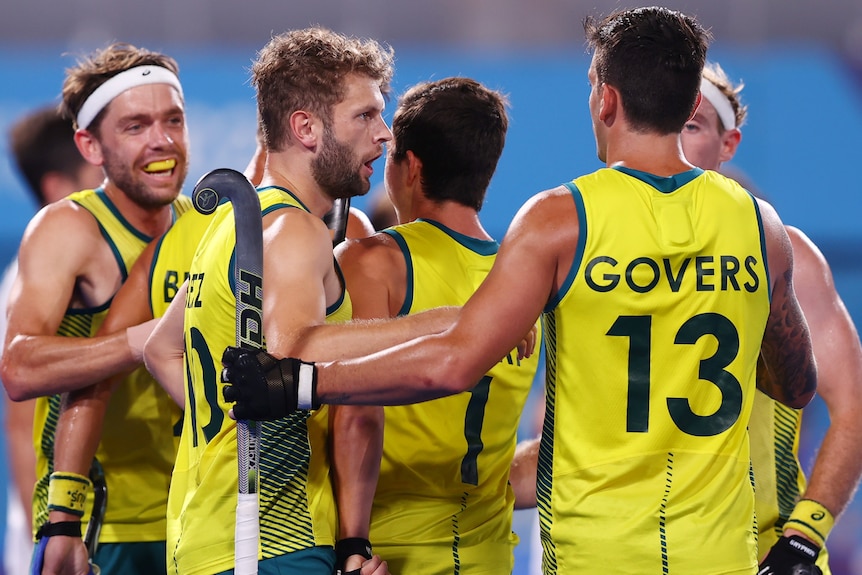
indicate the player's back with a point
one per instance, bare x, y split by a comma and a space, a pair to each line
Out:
443, 503
652, 350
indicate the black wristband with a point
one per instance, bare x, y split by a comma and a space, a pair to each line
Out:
345, 548
64, 528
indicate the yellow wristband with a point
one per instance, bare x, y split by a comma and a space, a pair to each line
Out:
812, 519
67, 492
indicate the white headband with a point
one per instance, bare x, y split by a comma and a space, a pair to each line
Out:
720, 102
116, 85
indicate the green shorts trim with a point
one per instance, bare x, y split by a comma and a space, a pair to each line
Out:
149, 558
312, 561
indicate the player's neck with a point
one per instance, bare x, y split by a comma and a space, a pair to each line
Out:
152, 221
455, 216
300, 183
651, 153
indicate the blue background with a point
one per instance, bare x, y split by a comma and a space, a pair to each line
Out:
800, 146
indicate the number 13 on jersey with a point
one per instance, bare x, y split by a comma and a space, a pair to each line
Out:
711, 371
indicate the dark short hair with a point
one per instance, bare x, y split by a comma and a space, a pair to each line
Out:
41, 142
457, 127
654, 57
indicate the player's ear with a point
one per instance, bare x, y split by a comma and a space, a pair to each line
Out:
414, 167
89, 146
609, 101
729, 143
303, 128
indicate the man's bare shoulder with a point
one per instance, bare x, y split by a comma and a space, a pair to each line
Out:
807, 257
63, 228
378, 252
551, 214
812, 276
295, 224
62, 214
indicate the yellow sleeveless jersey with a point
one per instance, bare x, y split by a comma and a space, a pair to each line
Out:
137, 449
652, 345
297, 506
172, 259
778, 476
443, 503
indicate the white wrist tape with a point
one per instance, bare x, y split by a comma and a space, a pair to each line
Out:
305, 386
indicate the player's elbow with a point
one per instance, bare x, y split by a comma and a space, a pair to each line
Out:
154, 359
807, 388
359, 421
15, 380
799, 390
149, 355
450, 378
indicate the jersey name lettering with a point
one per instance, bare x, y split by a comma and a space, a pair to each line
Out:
643, 274
172, 284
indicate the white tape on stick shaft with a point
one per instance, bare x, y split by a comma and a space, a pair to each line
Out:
247, 528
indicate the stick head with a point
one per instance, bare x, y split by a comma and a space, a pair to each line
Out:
220, 184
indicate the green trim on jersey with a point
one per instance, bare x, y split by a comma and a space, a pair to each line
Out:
583, 229
408, 262
665, 185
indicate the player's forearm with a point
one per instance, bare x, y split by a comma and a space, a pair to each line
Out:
35, 366
19, 443
164, 349
522, 475
79, 428
167, 369
423, 369
329, 342
356, 449
837, 468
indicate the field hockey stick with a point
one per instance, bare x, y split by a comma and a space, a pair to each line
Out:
100, 504
229, 184
336, 219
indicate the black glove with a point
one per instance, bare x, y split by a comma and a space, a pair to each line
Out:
346, 548
265, 388
791, 556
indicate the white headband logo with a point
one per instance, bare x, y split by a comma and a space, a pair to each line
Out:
116, 85
720, 102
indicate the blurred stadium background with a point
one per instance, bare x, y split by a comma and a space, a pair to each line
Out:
801, 62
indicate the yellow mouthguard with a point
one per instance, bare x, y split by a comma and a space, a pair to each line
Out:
160, 166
